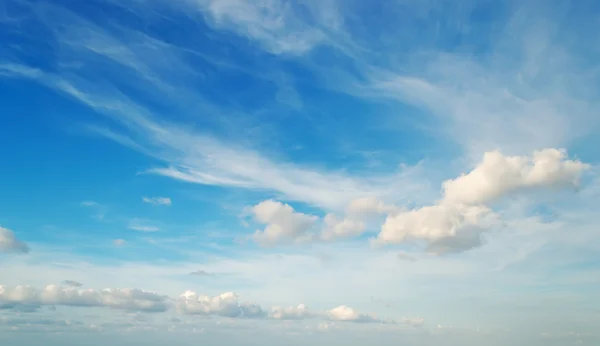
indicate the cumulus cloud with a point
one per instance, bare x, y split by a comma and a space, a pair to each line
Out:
10, 243
283, 223
498, 175
434, 222
226, 305
52, 295
344, 313
157, 200
344, 228
292, 313
456, 222
358, 212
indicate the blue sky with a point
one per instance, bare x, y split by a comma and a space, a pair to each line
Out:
308, 172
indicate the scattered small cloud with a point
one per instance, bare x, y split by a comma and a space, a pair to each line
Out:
119, 242
89, 203
157, 200
72, 283
142, 226
202, 273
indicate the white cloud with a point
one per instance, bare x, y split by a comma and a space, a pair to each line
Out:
344, 313
272, 23
157, 200
89, 203
457, 221
283, 224
413, 321
498, 175
299, 312
10, 243
226, 304
142, 226
343, 228
358, 213
119, 242
369, 205
120, 299
434, 222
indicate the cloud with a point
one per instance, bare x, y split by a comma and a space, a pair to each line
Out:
225, 304
456, 222
344, 228
119, 242
89, 203
414, 321
358, 212
201, 272
157, 200
72, 283
299, 312
142, 226
368, 206
344, 313
283, 224
274, 24
10, 244
54, 295
498, 175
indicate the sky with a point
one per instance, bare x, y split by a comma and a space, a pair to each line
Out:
309, 172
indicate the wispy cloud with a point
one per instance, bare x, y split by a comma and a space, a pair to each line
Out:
157, 200
89, 203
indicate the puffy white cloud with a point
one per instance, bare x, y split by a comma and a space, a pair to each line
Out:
457, 221
435, 222
10, 243
292, 313
358, 212
157, 200
282, 223
347, 227
348, 314
134, 299
121, 299
226, 304
498, 175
